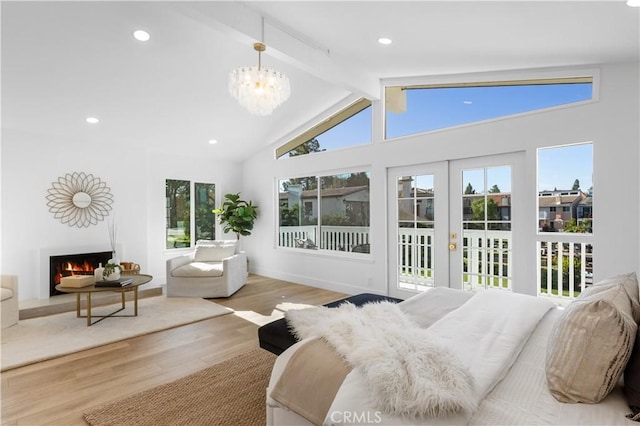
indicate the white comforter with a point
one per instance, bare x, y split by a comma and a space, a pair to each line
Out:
486, 334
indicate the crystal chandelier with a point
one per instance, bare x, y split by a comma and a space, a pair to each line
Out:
260, 90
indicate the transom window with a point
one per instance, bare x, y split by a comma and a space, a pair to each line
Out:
348, 127
423, 108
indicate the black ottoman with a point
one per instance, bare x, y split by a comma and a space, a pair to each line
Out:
276, 337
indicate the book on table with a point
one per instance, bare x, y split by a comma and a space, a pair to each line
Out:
121, 282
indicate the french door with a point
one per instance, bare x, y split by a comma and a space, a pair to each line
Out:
451, 223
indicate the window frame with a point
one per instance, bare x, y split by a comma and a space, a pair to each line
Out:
319, 251
192, 212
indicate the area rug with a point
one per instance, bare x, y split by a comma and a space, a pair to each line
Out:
229, 393
42, 338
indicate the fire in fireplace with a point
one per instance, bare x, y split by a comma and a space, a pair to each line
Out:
74, 264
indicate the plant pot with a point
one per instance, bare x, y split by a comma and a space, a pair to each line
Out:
115, 275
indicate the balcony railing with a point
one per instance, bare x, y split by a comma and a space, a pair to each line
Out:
336, 238
564, 266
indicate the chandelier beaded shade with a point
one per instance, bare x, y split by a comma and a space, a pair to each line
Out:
260, 90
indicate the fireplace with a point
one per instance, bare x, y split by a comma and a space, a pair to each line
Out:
74, 264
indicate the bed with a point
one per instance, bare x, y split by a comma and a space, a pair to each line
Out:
507, 359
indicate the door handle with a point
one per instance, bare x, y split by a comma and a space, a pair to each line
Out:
452, 246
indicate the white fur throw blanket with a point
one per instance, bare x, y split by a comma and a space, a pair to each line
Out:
407, 373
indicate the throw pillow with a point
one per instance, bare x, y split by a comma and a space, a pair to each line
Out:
632, 382
213, 253
590, 345
630, 284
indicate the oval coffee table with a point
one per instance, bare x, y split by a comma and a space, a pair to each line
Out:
138, 280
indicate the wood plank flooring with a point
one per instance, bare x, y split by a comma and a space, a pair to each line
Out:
57, 391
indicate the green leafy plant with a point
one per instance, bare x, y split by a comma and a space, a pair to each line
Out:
237, 215
109, 269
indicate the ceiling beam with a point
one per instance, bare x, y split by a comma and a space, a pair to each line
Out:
245, 25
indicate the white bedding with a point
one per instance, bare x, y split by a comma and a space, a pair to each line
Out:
520, 398
486, 334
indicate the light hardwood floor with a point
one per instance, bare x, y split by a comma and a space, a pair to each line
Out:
56, 392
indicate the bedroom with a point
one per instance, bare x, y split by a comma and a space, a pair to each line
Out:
152, 136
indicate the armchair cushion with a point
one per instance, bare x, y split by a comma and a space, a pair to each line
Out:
211, 253
5, 293
199, 269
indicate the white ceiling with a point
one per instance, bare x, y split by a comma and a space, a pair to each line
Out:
64, 61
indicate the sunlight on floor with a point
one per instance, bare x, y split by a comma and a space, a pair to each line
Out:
277, 313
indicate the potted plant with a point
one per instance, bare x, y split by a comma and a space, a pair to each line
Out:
111, 272
237, 215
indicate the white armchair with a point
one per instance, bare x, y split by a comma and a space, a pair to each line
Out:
215, 268
9, 300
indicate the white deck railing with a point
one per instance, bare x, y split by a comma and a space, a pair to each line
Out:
337, 238
486, 255
564, 267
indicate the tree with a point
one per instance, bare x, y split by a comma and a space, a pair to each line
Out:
306, 148
469, 189
584, 227
576, 184
494, 189
290, 216
477, 209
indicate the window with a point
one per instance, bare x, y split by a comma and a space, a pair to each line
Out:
565, 220
325, 212
350, 126
417, 109
184, 219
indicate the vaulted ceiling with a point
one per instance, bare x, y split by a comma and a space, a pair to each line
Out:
65, 61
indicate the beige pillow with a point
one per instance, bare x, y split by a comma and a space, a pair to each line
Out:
590, 345
205, 253
630, 283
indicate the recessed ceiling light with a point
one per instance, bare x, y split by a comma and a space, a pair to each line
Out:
213, 141
92, 120
141, 35
633, 3
384, 40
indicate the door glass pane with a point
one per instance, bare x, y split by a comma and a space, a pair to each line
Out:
486, 235
416, 221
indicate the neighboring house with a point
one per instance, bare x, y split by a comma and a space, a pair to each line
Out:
557, 207
351, 202
585, 209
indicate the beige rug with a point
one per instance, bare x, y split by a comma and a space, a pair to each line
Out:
51, 336
229, 393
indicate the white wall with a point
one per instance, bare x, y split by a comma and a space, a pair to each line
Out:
611, 124
136, 177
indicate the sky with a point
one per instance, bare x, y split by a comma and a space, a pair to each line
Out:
431, 109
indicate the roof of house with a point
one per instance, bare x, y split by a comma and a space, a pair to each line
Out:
331, 192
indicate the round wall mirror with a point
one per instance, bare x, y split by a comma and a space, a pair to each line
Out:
81, 200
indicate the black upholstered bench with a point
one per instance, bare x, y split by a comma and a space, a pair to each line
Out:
276, 337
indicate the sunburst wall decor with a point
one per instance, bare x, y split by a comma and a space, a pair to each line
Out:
79, 199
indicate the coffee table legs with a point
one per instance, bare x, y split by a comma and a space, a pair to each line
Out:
88, 309
88, 316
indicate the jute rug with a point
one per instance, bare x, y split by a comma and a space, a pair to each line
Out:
230, 393
42, 338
